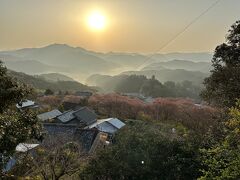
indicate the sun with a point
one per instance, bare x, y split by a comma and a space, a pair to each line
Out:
96, 21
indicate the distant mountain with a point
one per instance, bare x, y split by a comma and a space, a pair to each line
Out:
196, 57
41, 84
125, 59
176, 75
180, 64
108, 83
81, 63
28, 66
67, 59
54, 77
163, 75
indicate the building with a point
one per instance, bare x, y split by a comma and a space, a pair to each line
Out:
66, 117
110, 125
84, 93
82, 117
20, 148
58, 129
85, 116
134, 95
25, 147
48, 116
26, 104
89, 139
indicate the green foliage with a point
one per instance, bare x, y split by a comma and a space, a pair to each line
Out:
56, 158
223, 86
41, 84
152, 87
144, 151
15, 127
10, 90
222, 161
131, 84
48, 92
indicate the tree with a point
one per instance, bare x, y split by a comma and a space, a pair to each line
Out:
57, 157
222, 161
223, 85
153, 88
10, 90
48, 92
15, 127
142, 151
131, 84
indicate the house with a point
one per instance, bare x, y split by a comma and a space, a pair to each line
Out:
110, 125
26, 104
58, 129
10, 164
49, 115
89, 139
24, 147
134, 95
85, 116
81, 117
84, 93
20, 148
86, 137
66, 117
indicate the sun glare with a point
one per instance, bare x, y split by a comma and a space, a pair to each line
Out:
96, 21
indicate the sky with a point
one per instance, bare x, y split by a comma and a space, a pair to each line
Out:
141, 26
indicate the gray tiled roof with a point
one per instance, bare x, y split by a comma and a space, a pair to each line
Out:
66, 116
49, 115
85, 137
86, 116
56, 128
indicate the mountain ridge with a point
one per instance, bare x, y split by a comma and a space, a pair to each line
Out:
81, 63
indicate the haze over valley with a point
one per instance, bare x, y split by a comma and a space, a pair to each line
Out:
120, 89
80, 64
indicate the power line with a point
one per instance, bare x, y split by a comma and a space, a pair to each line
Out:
179, 33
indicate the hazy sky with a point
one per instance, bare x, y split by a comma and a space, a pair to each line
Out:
132, 25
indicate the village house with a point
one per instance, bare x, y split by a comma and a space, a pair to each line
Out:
26, 104
20, 149
82, 117
110, 125
84, 93
49, 116
89, 139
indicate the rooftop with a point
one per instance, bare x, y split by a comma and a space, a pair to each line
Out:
110, 125
49, 115
24, 104
85, 115
66, 116
85, 137
56, 128
24, 147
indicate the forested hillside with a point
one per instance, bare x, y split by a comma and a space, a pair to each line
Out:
41, 84
119, 90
